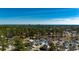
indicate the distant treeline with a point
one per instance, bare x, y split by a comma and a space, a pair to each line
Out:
73, 27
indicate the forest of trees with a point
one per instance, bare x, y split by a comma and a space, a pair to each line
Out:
14, 34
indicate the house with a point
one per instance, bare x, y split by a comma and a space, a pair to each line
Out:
38, 43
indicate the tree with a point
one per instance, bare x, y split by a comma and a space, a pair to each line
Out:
44, 48
52, 47
3, 40
18, 43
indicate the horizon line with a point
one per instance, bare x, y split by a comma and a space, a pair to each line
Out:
39, 24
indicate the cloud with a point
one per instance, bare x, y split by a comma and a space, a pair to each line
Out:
58, 21
69, 21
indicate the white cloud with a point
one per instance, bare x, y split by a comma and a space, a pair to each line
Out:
74, 21
69, 21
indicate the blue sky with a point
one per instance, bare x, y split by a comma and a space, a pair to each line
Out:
39, 16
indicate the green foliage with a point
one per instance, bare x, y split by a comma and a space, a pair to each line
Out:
18, 43
4, 43
20, 32
52, 47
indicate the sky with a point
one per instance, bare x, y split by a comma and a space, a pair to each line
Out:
39, 16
